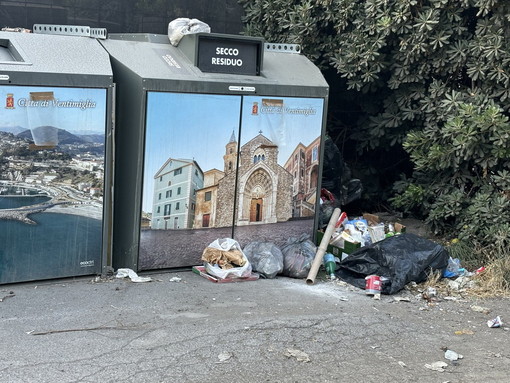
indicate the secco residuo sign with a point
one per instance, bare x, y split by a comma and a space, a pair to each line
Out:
233, 56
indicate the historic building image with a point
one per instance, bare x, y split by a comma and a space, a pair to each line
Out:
223, 166
303, 164
266, 191
175, 190
264, 187
207, 197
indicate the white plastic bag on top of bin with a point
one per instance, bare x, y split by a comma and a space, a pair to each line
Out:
183, 26
228, 244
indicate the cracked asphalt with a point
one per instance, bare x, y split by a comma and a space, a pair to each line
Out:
194, 330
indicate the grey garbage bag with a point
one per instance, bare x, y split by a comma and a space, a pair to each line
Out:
265, 258
401, 259
298, 255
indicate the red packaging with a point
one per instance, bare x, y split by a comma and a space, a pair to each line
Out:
341, 219
373, 284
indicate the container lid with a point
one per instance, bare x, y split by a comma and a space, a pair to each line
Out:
38, 59
171, 68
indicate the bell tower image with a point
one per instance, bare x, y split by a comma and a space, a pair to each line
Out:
230, 157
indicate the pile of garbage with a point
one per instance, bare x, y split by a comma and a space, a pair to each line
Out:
383, 258
455, 281
350, 234
379, 257
224, 258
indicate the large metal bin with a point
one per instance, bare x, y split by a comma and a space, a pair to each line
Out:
217, 137
55, 156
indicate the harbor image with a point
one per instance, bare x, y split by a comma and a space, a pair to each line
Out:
52, 151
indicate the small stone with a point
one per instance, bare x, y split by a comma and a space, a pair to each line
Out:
401, 299
224, 356
437, 366
298, 354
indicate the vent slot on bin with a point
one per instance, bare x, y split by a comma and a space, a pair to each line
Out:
8, 53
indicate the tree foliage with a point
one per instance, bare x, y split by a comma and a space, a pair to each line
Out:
431, 77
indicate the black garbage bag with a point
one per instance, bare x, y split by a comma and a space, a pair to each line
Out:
337, 182
402, 259
337, 176
333, 168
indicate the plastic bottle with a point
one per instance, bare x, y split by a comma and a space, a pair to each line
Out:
330, 265
366, 238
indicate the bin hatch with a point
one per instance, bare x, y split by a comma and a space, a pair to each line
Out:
8, 53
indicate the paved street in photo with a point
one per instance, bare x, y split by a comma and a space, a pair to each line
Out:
184, 247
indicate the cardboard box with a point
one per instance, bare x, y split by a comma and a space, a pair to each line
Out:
346, 247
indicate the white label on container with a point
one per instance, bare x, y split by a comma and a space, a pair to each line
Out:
87, 263
241, 88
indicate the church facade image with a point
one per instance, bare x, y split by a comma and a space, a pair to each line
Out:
264, 188
223, 166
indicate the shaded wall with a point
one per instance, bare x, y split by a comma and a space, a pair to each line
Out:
136, 16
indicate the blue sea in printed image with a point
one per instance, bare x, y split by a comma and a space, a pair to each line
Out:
59, 245
15, 202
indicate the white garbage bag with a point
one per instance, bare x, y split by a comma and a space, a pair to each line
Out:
183, 26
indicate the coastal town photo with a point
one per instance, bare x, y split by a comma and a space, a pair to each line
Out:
52, 163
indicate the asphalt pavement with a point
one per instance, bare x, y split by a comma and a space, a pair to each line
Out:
183, 328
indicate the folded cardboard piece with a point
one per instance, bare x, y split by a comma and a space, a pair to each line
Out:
200, 270
373, 219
